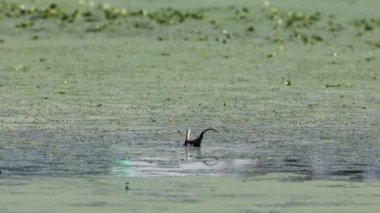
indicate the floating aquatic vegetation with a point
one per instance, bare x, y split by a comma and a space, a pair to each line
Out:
293, 19
275, 24
271, 55
334, 26
169, 15
143, 25
305, 38
251, 29
21, 67
338, 85
301, 20
287, 83
376, 43
103, 13
97, 28
112, 13
364, 26
25, 24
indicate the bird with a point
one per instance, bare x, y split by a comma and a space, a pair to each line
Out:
196, 142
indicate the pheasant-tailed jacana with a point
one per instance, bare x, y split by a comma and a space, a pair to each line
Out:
196, 142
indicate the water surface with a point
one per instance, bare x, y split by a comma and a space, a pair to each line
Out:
93, 99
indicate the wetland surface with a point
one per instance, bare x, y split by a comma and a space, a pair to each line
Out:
95, 98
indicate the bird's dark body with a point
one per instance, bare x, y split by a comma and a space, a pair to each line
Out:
196, 142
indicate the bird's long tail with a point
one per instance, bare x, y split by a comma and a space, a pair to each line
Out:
208, 130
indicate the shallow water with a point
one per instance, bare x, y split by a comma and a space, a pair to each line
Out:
51, 153
314, 161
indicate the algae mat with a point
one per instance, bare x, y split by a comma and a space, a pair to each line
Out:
95, 94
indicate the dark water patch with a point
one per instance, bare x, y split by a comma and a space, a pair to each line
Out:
92, 204
49, 154
167, 195
309, 160
350, 174
316, 204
